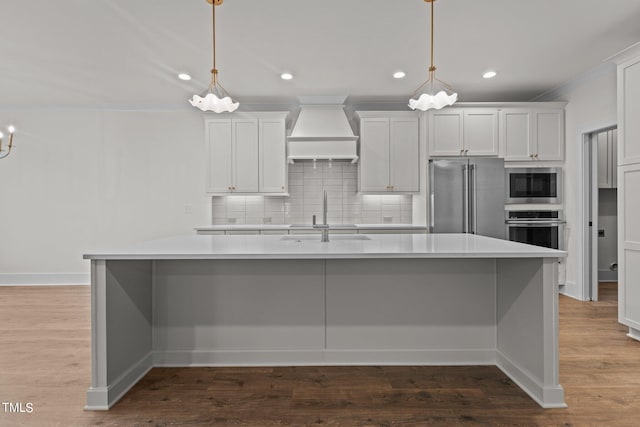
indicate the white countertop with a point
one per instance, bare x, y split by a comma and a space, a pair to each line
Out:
342, 246
258, 227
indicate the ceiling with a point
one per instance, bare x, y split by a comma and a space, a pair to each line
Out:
127, 53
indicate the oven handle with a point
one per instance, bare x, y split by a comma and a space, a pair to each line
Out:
536, 224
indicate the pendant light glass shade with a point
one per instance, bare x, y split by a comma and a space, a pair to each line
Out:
434, 93
215, 98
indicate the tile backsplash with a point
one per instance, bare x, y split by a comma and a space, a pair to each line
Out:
306, 184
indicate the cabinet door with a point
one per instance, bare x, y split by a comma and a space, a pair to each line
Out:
273, 163
445, 133
404, 158
629, 104
549, 135
374, 153
517, 134
604, 160
219, 152
480, 132
245, 155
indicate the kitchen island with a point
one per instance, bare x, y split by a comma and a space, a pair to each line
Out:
261, 300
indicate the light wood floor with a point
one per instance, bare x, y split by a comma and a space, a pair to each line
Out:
45, 360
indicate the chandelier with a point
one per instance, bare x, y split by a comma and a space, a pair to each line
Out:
5, 152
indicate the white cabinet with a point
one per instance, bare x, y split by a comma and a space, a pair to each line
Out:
629, 111
628, 184
389, 152
273, 156
463, 132
232, 148
247, 154
530, 134
607, 159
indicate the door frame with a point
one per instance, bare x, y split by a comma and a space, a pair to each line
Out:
588, 214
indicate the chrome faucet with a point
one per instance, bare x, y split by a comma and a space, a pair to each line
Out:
324, 227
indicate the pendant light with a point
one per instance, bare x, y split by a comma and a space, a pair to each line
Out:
215, 98
433, 93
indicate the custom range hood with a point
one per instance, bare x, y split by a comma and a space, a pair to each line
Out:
322, 132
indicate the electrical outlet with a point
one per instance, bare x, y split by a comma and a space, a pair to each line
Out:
600, 233
188, 209
387, 219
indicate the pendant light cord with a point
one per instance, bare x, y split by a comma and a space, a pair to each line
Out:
214, 70
432, 68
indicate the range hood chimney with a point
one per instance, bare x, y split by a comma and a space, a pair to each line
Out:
322, 132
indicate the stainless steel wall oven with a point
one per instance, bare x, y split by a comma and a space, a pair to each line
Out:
541, 228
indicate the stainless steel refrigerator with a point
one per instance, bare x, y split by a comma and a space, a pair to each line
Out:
467, 196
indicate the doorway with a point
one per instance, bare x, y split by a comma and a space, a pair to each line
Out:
600, 211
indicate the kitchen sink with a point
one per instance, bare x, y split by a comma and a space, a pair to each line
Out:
340, 237
332, 226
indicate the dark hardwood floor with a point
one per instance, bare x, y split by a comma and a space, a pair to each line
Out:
45, 360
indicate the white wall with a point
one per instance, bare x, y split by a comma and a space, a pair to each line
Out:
80, 180
591, 106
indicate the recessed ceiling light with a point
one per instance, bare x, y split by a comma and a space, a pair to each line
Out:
489, 74
399, 75
184, 76
286, 76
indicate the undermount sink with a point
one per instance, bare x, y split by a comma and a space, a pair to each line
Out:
304, 237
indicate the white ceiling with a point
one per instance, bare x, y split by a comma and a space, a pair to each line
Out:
127, 53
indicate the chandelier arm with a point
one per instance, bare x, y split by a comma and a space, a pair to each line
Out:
426, 82
224, 91
445, 84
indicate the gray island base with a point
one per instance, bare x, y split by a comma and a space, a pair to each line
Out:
441, 299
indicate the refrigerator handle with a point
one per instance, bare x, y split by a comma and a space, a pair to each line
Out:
473, 202
465, 195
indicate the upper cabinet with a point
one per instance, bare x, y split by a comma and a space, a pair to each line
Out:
247, 154
463, 132
530, 134
629, 105
389, 152
607, 158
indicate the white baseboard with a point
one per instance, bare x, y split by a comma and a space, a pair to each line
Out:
571, 289
634, 333
45, 279
547, 397
103, 398
322, 357
607, 276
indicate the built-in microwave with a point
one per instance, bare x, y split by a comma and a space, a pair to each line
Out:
533, 185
